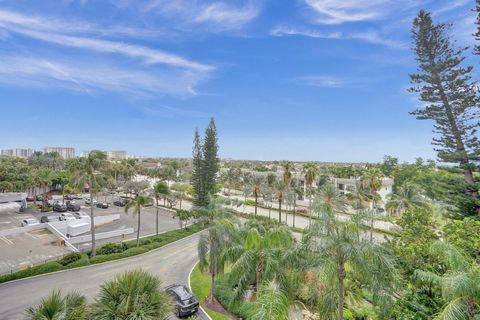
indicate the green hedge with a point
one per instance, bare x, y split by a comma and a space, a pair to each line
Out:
108, 252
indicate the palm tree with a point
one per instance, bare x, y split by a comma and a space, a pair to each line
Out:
407, 196
459, 284
373, 181
358, 196
338, 245
288, 167
160, 189
256, 255
256, 184
140, 201
212, 245
45, 177
329, 199
272, 303
310, 171
91, 170
267, 195
132, 295
279, 194
73, 306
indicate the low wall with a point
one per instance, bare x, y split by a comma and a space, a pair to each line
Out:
101, 235
14, 231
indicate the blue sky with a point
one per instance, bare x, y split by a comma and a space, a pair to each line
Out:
318, 80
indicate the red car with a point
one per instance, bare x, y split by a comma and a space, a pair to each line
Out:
30, 198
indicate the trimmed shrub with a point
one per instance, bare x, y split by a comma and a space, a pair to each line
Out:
110, 248
70, 258
83, 261
36, 270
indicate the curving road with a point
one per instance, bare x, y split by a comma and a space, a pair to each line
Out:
172, 263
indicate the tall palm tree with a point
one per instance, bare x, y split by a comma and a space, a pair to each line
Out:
45, 177
212, 245
256, 184
288, 169
132, 295
459, 284
140, 201
405, 197
329, 198
279, 194
91, 170
310, 172
55, 306
256, 256
358, 196
372, 179
267, 195
160, 189
339, 246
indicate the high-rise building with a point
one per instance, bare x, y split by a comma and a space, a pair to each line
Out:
65, 153
117, 154
18, 152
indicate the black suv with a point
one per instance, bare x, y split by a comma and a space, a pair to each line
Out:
73, 206
119, 203
185, 302
102, 205
59, 207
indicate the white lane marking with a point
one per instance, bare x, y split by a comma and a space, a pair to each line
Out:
7, 241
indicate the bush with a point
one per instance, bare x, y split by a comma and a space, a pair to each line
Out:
36, 270
47, 209
134, 251
70, 258
83, 261
249, 202
110, 248
464, 234
105, 257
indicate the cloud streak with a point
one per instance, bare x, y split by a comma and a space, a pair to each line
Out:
373, 37
88, 78
336, 12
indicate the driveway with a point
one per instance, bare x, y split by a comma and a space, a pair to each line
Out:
172, 263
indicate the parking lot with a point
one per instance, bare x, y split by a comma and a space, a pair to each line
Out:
22, 250
127, 220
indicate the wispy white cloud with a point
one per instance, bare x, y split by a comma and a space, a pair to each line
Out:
451, 5
323, 81
335, 12
88, 78
368, 36
39, 23
214, 17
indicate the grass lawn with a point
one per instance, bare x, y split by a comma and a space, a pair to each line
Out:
201, 284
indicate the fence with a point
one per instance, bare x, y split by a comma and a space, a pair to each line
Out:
101, 235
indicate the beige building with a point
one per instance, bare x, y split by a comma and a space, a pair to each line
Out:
65, 153
18, 152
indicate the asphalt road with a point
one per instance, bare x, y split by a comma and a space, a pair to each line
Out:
172, 263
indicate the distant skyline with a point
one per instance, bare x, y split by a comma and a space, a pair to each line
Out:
320, 80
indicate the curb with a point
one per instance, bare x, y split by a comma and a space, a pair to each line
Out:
97, 264
204, 313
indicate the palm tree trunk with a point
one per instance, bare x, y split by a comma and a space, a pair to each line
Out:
138, 228
156, 199
92, 222
294, 211
258, 273
309, 209
212, 289
256, 203
341, 289
371, 221
270, 211
279, 211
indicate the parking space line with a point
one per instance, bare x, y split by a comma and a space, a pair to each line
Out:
31, 235
7, 241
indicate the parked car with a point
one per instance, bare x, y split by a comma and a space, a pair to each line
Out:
87, 201
185, 302
69, 197
67, 216
30, 198
77, 197
50, 218
39, 198
73, 206
102, 205
59, 207
29, 222
80, 215
120, 203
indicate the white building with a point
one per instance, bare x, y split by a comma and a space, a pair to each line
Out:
18, 152
344, 185
65, 153
117, 154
